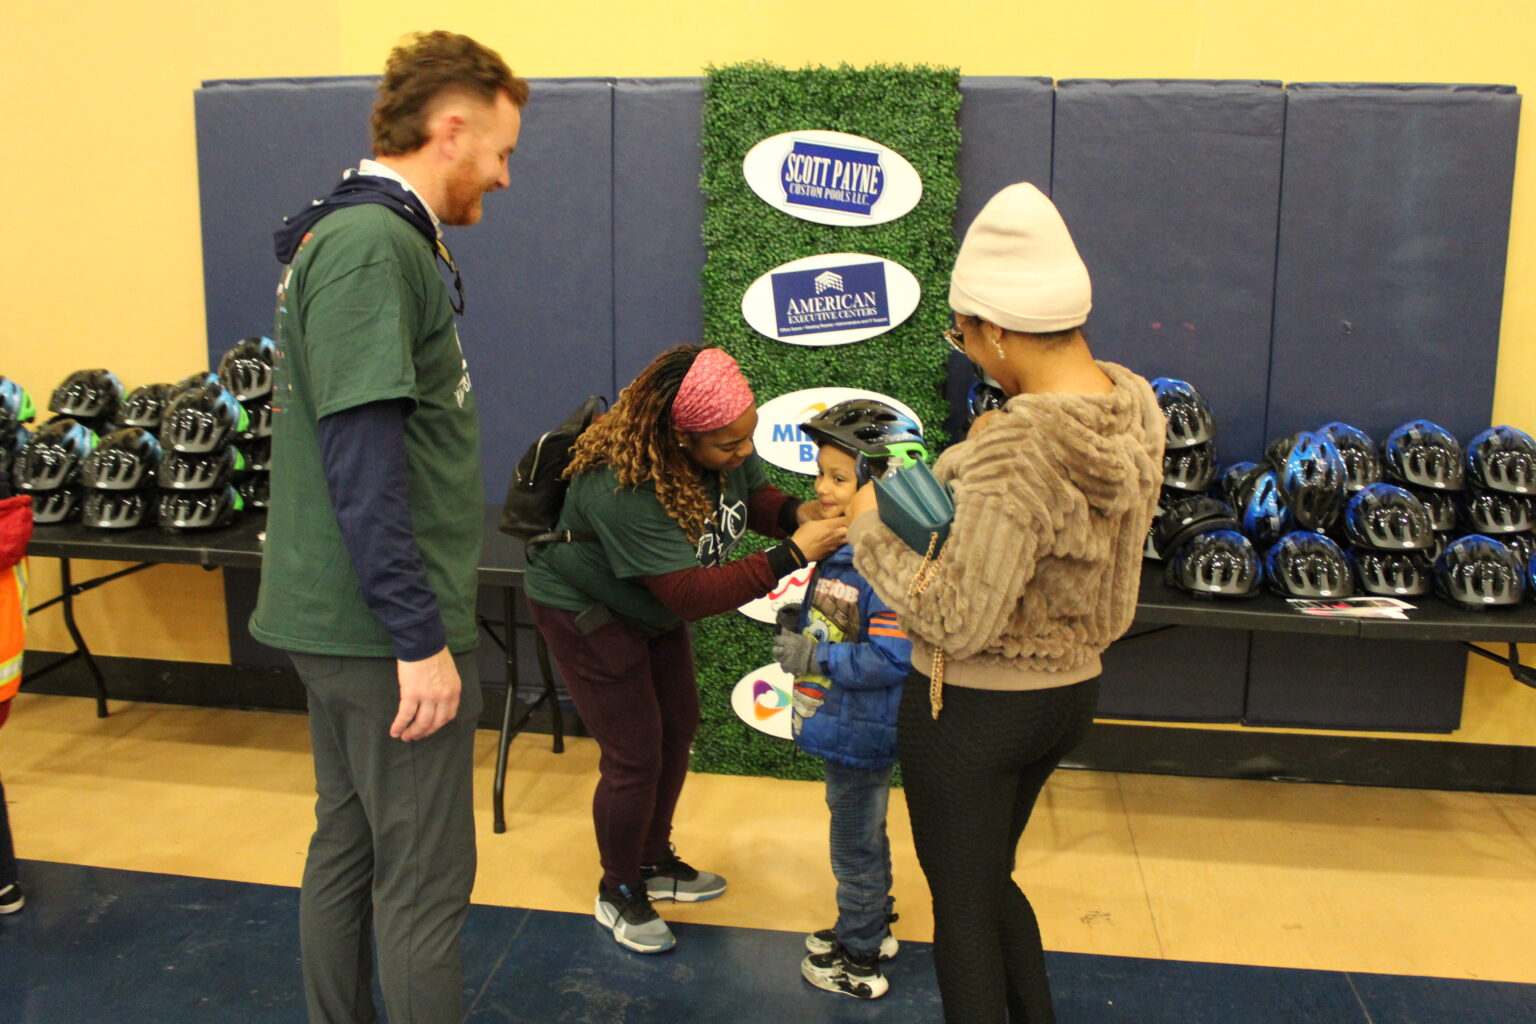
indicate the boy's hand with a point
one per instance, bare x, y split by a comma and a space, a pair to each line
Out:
796, 654
787, 618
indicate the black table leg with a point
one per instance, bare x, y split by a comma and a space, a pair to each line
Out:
504, 739
67, 591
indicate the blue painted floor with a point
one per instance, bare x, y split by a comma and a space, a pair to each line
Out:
105, 946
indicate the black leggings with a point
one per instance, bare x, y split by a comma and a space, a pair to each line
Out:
972, 778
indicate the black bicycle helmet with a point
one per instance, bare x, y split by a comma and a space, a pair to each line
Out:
1388, 518
1235, 481
1503, 459
144, 406
52, 458
874, 433
1221, 563
1442, 506
255, 490
15, 439
1188, 416
1189, 517
192, 471
1478, 572
1496, 512
982, 398
1189, 469
1278, 448
1393, 573
59, 505
202, 420
246, 368
88, 394
1307, 564
258, 420
116, 510
1362, 464
257, 454
124, 460
1265, 515
1312, 481
15, 406
197, 510
1522, 544
1424, 454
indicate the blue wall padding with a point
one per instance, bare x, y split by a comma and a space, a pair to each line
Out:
1170, 190
1187, 673
1394, 222
658, 210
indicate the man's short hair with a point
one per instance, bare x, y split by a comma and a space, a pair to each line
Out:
424, 67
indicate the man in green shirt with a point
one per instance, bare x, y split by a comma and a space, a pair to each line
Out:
373, 533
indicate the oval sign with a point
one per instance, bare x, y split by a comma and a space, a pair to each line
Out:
832, 178
790, 590
780, 440
835, 298
761, 699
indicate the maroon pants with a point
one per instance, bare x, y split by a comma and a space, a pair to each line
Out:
638, 697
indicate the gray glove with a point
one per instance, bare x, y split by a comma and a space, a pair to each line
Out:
796, 654
787, 618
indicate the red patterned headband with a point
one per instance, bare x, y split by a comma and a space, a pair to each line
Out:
713, 394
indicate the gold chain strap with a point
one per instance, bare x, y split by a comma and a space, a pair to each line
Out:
926, 573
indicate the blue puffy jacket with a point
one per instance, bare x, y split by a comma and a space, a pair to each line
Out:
847, 714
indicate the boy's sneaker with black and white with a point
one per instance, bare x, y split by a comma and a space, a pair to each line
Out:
824, 941
837, 970
12, 899
633, 921
673, 879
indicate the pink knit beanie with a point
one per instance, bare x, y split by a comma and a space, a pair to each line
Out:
1018, 267
713, 393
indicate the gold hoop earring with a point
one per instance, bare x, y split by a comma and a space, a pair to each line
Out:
999, 346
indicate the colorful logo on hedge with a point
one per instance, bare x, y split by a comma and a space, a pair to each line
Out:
789, 590
831, 299
761, 699
832, 178
780, 440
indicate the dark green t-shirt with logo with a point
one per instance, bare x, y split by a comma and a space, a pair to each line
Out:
362, 316
636, 538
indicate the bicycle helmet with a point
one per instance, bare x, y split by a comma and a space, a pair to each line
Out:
1503, 459
191, 471
201, 420
1393, 573
124, 460
1362, 464
1495, 512
88, 394
1189, 469
15, 405
15, 439
197, 510
1278, 448
115, 510
1313, 481
256, 490
1522, 544
258, 416
1478, 572
257, 454
1423, 454
59, 505
1219, 563
246, 368
1236, 480
983, 397
1444, 514
872, 432
51, 459
1188, 416
1189, 517
1307, 564
144, 406
1265, 516
1388, 518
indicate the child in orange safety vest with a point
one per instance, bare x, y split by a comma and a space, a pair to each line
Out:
15, 533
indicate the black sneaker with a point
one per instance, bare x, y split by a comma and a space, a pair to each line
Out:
12, 898
824, 940
840, 971
634, 923
674, 879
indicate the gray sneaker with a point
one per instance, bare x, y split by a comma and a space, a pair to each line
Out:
672, 879
629, 915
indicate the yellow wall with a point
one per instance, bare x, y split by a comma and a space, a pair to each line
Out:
102, 261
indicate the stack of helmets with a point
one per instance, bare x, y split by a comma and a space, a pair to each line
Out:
246, 370
1206, 556
48, 468
1426, 459
1500, 499
90, 398
199, 467
15, 410
1391, 538
1189, 451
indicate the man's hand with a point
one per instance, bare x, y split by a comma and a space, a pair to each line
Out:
863, 501
429, 696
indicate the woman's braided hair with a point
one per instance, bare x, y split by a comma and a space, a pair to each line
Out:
637, 439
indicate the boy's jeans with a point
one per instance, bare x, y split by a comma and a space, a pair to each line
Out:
861, 855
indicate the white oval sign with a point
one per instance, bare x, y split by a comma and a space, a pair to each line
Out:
832, 178
790, 590
780, 440
761, 699
832, 299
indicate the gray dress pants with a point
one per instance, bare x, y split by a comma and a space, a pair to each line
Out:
393, 854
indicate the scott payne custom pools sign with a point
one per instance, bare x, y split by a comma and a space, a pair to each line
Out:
781, 442
832, 178
831, 299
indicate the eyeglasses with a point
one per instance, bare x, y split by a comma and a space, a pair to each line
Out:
955, 338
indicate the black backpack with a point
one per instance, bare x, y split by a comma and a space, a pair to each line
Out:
537, 490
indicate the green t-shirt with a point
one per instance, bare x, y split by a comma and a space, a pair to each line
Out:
635, 538
362, 316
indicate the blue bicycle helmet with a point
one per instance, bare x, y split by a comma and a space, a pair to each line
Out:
1191, 516
1265, 516
1362, 465
1235, 481
15, 406
1189, 469
1221, 563
125, 460
1444, 510
1393, 573
1313, 481
1478, 572
1503, 459
1188, 416
1424, 454
1388, 518
1307, 564
202, 420
51, 459
1522, 544
1496, 512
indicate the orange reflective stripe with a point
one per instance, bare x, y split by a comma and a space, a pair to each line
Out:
13, 627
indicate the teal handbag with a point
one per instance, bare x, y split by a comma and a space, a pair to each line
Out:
916, 507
